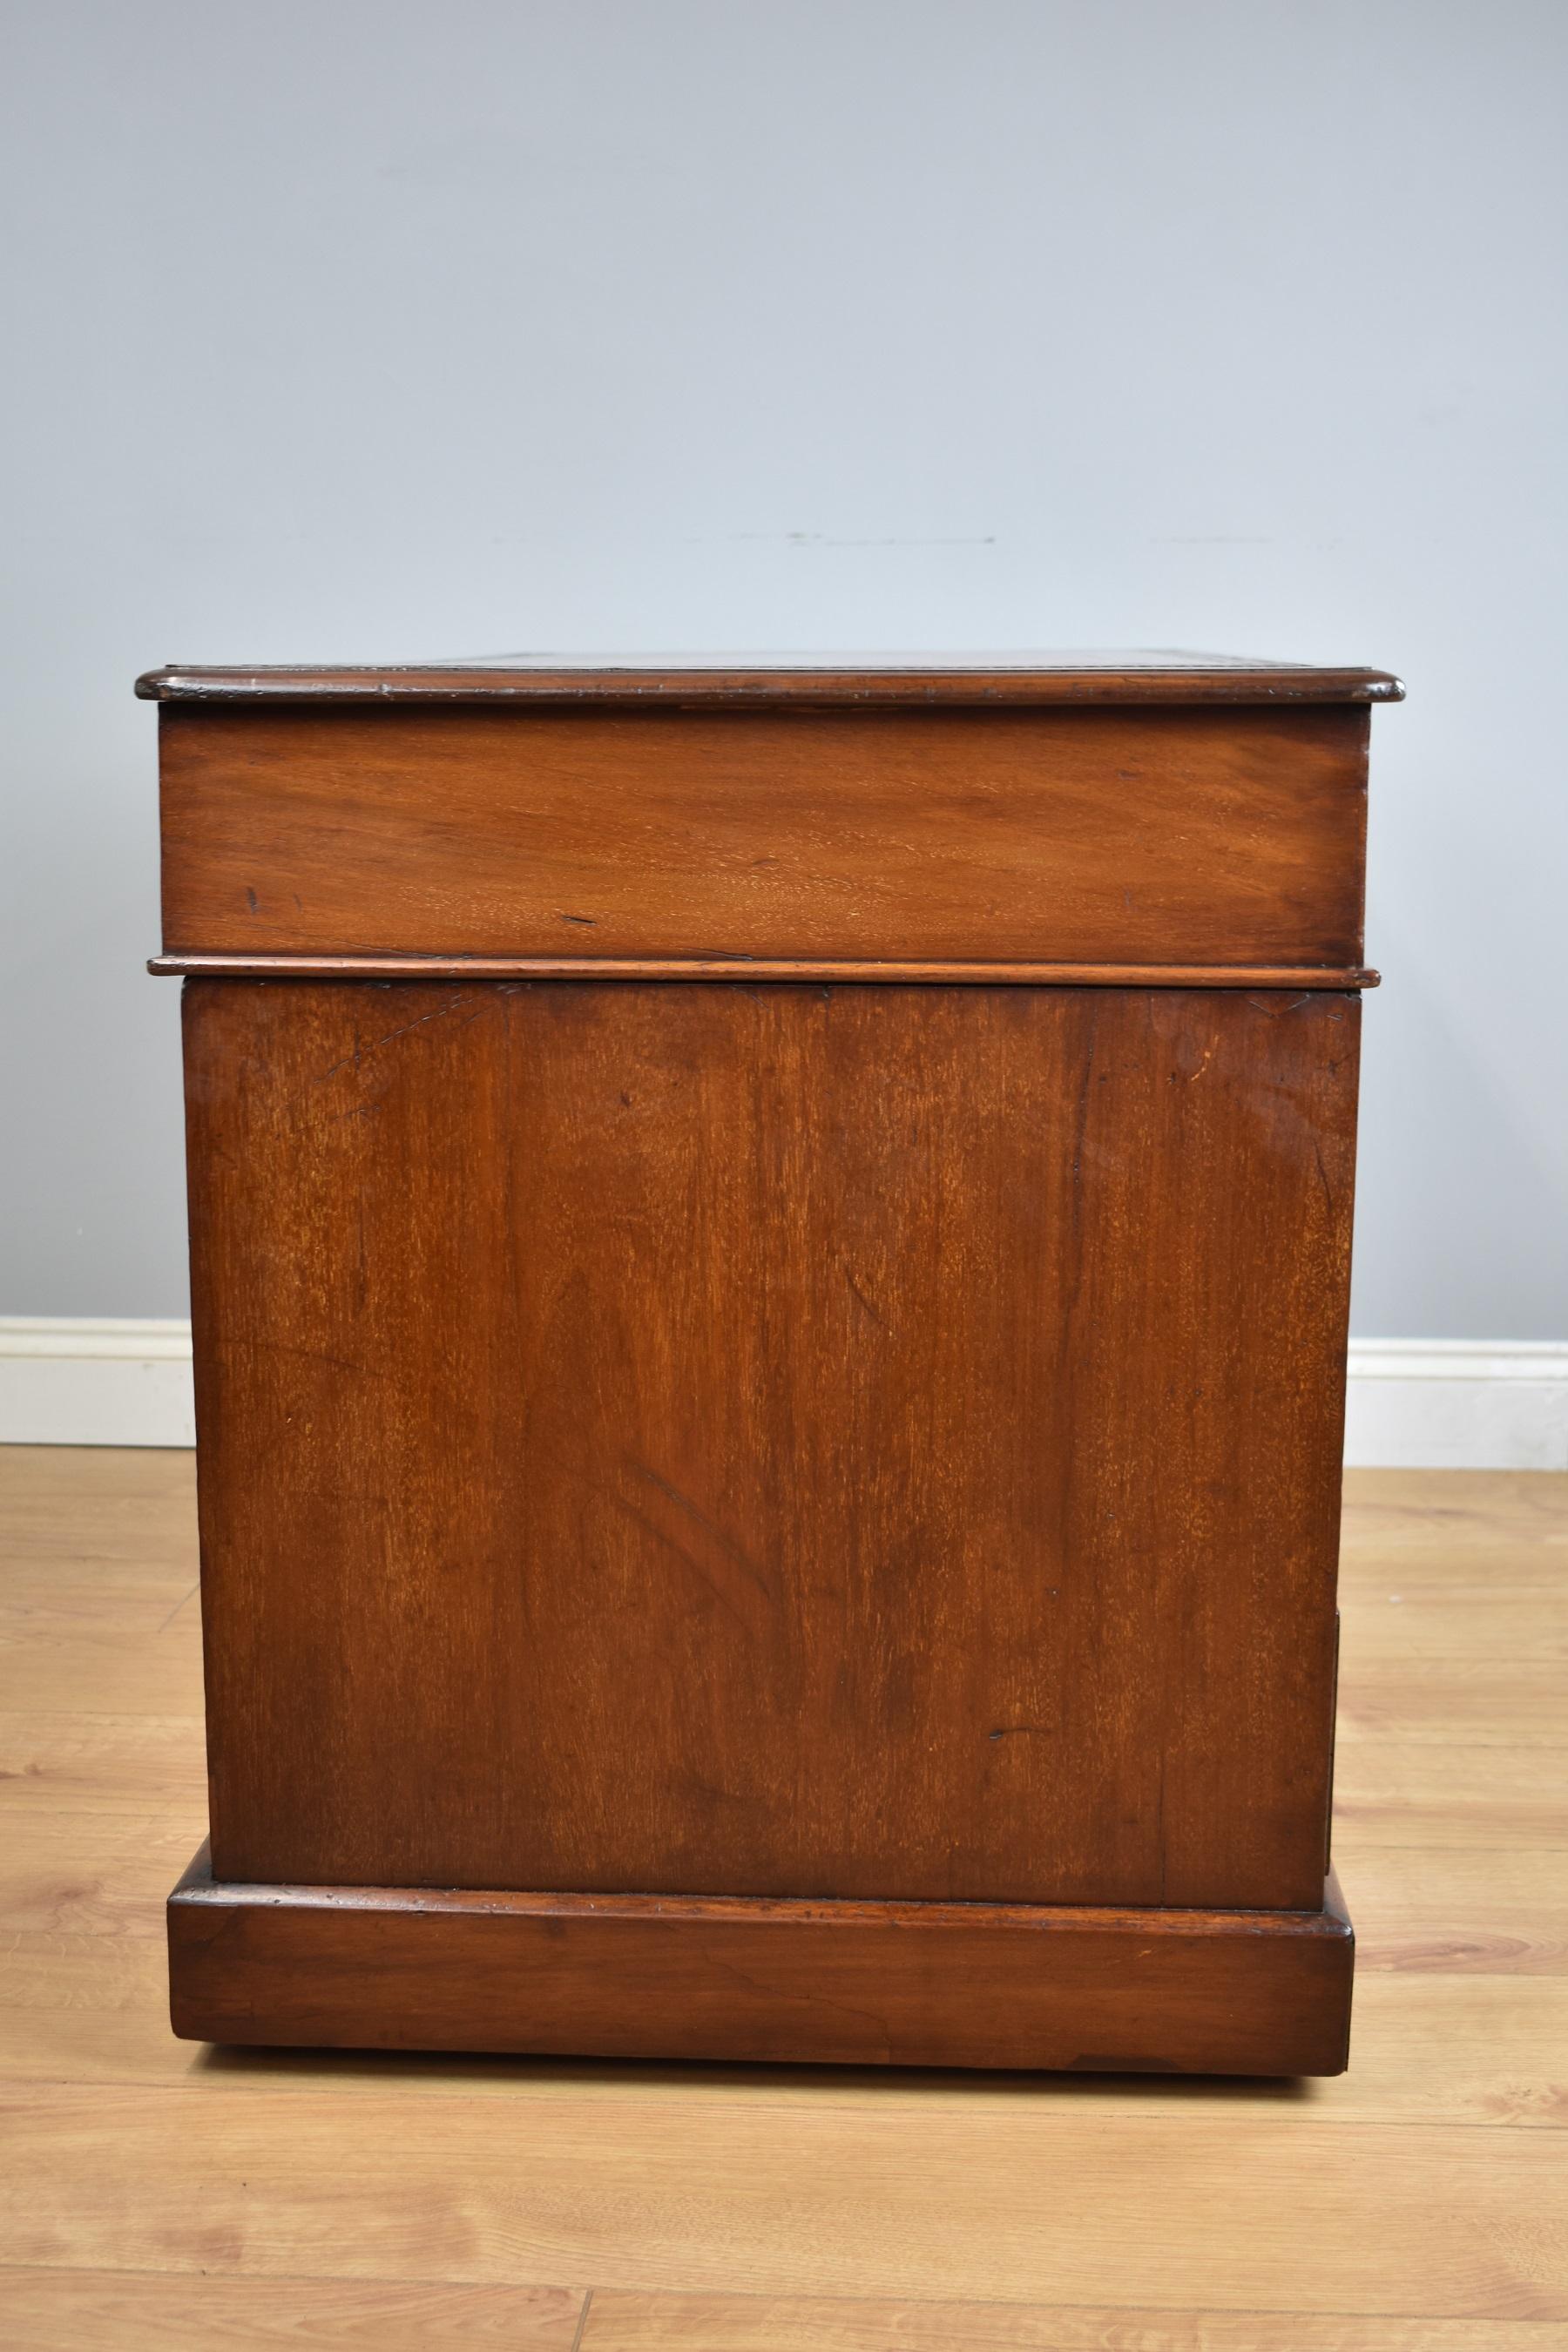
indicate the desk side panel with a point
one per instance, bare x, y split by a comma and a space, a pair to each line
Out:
783, 1441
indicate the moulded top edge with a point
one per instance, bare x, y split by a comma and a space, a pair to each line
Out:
909, 679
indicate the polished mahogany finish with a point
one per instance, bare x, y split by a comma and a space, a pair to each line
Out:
846, 680
1081, 836
859, 1984
768, 1398
770, 1276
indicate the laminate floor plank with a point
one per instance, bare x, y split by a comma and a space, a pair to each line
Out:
733, 2323
1467, 1909
1041, 2199
1488, 1702
1422, 1511
1457, 1794
1496, 1624
133, 2310
84, 1670
76, 1599
132, 1507
92, 1873
136, 1765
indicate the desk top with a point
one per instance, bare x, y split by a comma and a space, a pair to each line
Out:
842, 678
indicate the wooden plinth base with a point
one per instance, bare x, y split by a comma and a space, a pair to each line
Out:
742, 1979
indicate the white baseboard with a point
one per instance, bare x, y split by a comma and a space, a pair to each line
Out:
1458, 1404
1424, 1404
66, 1380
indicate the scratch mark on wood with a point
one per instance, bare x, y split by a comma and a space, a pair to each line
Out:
441, 1012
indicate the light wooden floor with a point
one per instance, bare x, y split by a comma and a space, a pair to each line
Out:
156, 2194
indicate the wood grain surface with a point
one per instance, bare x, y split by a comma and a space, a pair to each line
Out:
662, 1976
962, 679
1198, 835
153, 2194
784, 1441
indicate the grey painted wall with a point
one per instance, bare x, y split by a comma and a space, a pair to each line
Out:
363, 330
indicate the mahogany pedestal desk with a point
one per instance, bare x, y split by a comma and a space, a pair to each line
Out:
770, 1251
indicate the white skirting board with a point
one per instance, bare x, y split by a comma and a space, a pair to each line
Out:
1433, 1405
68, 1381
1458, 1404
